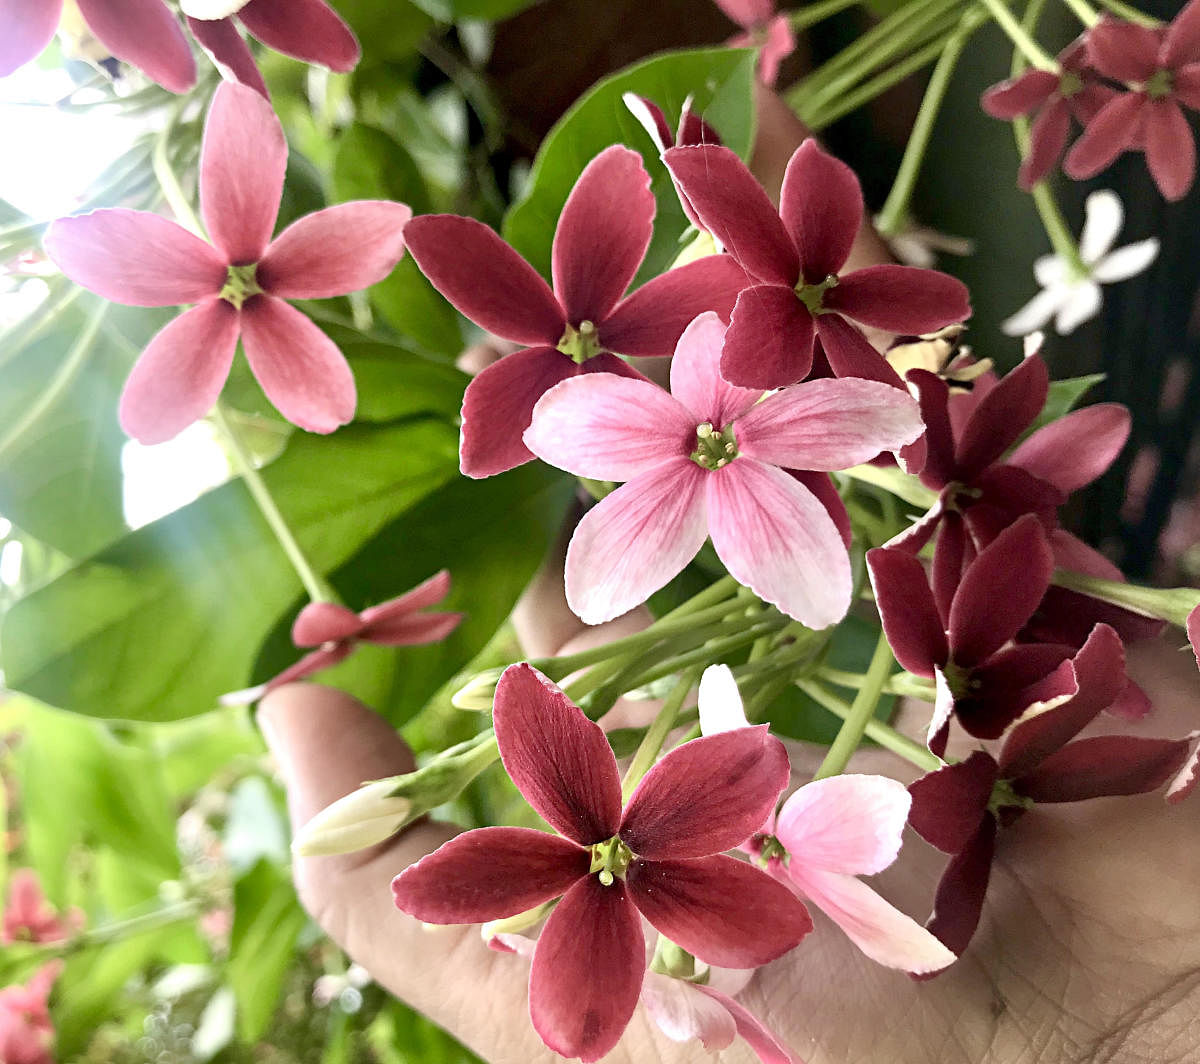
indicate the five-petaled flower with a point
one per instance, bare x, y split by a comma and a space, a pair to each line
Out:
661, 858
763, 28
240, 284
26, 1029
29, 917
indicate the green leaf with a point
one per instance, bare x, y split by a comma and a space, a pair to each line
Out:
394, 383
453, 10
385, 31
721, 83
160, 624
1063, 397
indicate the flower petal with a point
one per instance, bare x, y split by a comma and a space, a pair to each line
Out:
775, 537
180, 374
1181, 43
821, 207
304, 29
136, 258
651, 118
1020, 96
962, 888
1103, 218
587, 970
948, 803
338, 250
850, 354
1075, 449
757, 1036
706, 796
736, 210
1102, 766
719, 702
146, 35
29, 26
1037, 312
696, 379
301, 370
1116, 128
602, 234
324, 622
559, 760
1126, 261
242, 163
779, 44
1122, 50
226, 48
682, 1012
823, 487
829, 424
485, 279
635, 540
1193, 632
1001, 416
428, 592
1170, 148
907, 610
414, 629
902, 299
488, 874
1047, 139
747, 13
719, 909
770, 339
316, 661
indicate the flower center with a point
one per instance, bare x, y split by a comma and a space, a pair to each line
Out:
610, 859
240, 284
1004, 796
1069, 84
813, 295
767, 848
1159, 84
582, 343
714, 448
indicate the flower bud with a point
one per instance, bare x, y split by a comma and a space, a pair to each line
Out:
478, 693
362, 818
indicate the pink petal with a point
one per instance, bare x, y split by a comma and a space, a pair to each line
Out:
305, 29
1001, 416
415, 629
706, 796
902, 299
849, 354
338, 250
428, 592
29, 26
778, 540
907, 610
1185, 780
608, 427
747, 13
757, 1036
736, 210
770, 339
1170, 148
651, 118
559, 760
1123, 51
180, 374
879, 929
489, 874
1103, 766
947, 804
136, 258
822, 208
1020, 96
682, 1012
635, 540
324, 622
1193, 632
1047, 139
960, 893
316, 661
242, 163
232, 56
1181, 43
1186, 87
1116, 128
693, 129
602, 235
485, 279
850, 824
1075, 449
146, 35
696, 379
719, 909
779, 44
301, 370
1132, 703
587, 970
829, 424
651, 321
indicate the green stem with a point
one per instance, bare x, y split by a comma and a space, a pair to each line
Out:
902, 684
1131, 14
1084, 11
818, 12
22, 333
117, 930
314, 584
1017, 33
1172, 604
647, 753
876, 730
863, 709
168, 180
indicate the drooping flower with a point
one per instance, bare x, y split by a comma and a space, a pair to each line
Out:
919, 245
709, 459
581, 325
240, 284
1161, 70
309, 30
764, 29
26, 1028
795, 254
144, 34
29, 917
1071, 297
660, 858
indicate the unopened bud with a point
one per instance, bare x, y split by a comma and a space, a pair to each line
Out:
478, 693
362, 818
511, 925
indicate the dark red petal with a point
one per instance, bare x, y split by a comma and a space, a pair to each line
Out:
1069, 617
1001, 416
232, 56
821, 206
933, 394
962, 888
707, 795
1193, 632
1116, 128
950, 558
485, 279
587, 971
769, 342
736, 210
1019, 96
304, 29
489, 874
850, 354
902, 299
907, 610
1047, 139
1181, 44
1123, 51
947, 805
560, 761
1170, 148
1010, 491
1105, 765
722, 910
144, 34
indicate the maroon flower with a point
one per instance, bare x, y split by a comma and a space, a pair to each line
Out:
601, 239
1162, 70
794, 254
660, 858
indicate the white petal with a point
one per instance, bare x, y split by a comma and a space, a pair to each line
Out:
645, 119
683, 1013
1126, 261
720, 702
1049, 269
1102, 223
1084, 303
209, 10
1036, 313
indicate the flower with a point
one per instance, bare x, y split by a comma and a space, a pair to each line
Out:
795, 254
660, 858
240, 284
26, 1030
29, 917
1069, 297
918, 245
146, 36
763, 29
1161, 67
706, 460
308, 30
601, 239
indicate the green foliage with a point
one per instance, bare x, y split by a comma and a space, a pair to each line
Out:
454, 10
1063, 397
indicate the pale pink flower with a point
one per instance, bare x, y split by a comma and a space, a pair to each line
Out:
240, 284
709, 459
26, 1030
764, 29
29, 917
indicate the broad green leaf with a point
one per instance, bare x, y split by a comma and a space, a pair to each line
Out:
193, 752
385, 31
721, 84
394, 383
453, 10
162, 623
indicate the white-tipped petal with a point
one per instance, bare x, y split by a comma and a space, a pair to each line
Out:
720, 702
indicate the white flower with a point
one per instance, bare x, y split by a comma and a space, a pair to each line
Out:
918, 245
1071, 299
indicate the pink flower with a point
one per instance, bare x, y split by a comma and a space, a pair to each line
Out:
144, 34
601, 239
29, 917
795, 254
1193, 632
26, 1030
763, 29
660, 858
308, 30
240, 284
707, 460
